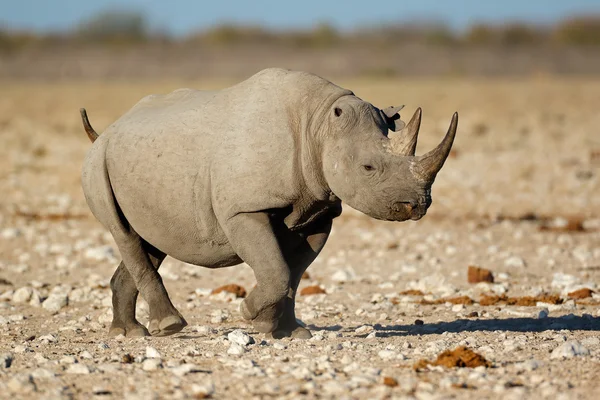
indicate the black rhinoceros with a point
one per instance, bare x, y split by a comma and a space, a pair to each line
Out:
255, 172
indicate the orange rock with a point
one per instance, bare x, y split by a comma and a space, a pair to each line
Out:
389, 381
476, 275
461, 357
583, 293
310, 290
305, 275
238, 290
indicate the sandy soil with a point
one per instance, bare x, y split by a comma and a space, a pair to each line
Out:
520, 196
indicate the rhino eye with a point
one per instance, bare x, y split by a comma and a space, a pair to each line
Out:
368, 167
337, 111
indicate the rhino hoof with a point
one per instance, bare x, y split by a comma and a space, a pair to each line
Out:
297, 333
264, 326
167, 326
134, 331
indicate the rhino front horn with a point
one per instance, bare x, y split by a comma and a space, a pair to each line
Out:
406, 143
431, 163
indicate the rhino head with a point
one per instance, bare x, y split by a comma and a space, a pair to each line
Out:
374, 174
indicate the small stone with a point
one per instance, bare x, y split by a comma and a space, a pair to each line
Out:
458, 307
42, 373
386, 354
477, 274
101, 391
151, 364
543, 313
389, 381
10, 233
569, 350
240, 337
78, 369
236, 349
279, 346
55, 302
419, 322
67, 360
6, 360
361, 330
151, 352
237, 290
185, 369
204, 389
22, 295
344, 275
22, 383
127, 359
86, 355
311, 290
515, 262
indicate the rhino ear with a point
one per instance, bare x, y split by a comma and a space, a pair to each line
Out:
393, 118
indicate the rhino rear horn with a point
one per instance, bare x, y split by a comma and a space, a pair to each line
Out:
406, 143
429, 164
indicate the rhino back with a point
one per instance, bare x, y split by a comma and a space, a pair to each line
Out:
180, 163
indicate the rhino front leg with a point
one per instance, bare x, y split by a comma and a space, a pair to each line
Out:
299, 258
251, 236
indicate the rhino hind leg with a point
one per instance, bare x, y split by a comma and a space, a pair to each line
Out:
124, 297
137, 258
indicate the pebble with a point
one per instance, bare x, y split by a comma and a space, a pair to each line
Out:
78, 369
151, 364
22, 295
569, 349
344, 275
55, 302
240, 337
515, 262
6, 360
236, 349
204, 389
22, 383
361, 330
151, 352
543, 313
185, 369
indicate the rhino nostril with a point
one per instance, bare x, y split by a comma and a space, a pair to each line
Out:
403, 206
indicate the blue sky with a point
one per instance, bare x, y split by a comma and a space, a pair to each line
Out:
183, 16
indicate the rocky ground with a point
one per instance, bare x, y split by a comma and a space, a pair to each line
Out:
519, 197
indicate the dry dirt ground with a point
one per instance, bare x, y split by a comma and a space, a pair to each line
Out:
520, 196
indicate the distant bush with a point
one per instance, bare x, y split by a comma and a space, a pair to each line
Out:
114, 26
579, 31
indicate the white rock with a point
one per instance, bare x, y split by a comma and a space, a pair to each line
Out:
569, 350
279, 346
361, 330
151, 352
49, 338
458, 307
240, 337
55, 302
22, 383
344, 275
42, 373
10, 233
100, 253
86, 355
236, 349
515, 262
185, 369
22, 295
590, 341
386, 354
560, 280
151, 364
78, 369
203, 389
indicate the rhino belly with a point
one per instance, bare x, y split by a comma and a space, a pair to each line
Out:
165, 197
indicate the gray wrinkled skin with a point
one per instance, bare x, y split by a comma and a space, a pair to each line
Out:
255, 172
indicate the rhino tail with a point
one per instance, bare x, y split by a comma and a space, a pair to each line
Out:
86, 125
